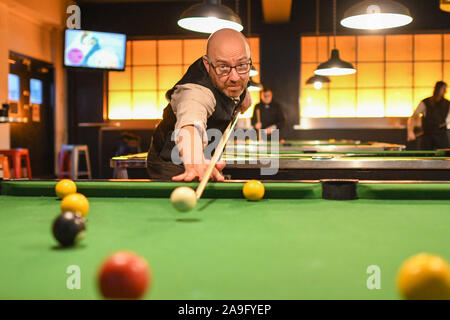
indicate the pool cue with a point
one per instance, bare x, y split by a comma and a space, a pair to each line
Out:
217, 153
258, 118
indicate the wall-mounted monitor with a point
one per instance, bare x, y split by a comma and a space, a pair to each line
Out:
95, 50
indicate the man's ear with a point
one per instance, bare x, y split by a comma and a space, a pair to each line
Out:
205, 63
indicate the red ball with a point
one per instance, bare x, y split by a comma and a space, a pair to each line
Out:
124, 275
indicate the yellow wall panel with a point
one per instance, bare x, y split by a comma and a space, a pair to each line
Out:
399, 102
348, 81
309, 49
399, 74
427, 73
170, 52
153, 68
370, 103
427, 47
314, 103
144, 52
447, 47
370, 48
307, 71
119, 105
193, 49
324, 49
342, 103
254, 49
399, 48
446, 77
420, 94
128, 54
144, 78
169, 76
144, 106
370, 74
120, 80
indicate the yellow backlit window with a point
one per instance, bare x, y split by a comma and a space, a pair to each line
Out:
399, 74
370, 75
315, 103
153, 67
394, 73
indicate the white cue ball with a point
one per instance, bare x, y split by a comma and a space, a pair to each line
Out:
183, 199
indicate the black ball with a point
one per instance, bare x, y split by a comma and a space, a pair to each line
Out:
68, 228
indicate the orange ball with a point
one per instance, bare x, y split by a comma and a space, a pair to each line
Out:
424, 277
124, 275
75, 202
65, 187
253, 190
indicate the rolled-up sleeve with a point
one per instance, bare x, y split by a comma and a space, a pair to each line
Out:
192, 105
421, 109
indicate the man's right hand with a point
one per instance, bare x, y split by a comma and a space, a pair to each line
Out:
258, 125
197, 171
411, 136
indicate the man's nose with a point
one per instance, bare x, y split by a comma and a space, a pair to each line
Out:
234, 75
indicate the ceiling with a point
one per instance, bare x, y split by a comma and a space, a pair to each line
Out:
124, 1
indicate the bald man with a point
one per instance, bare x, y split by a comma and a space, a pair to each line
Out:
213, 88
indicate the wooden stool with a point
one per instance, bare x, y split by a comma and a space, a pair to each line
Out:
4, 167
16, 155
75, 151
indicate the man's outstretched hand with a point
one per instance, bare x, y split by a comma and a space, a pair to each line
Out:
197, 171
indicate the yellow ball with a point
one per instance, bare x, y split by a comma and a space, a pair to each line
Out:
65, 187
424, 277
75, 202
253, 190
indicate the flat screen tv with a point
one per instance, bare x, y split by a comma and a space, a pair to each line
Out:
94, 50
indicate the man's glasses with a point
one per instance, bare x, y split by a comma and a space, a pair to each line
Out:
224, 70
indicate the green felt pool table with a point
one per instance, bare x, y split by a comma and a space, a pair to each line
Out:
291, 245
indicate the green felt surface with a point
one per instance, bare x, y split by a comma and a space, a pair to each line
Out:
227, 248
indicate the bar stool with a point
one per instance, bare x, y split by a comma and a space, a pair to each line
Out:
16, 155
4, 167
75, 151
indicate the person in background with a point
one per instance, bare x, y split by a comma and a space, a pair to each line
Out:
433, 112
268, 114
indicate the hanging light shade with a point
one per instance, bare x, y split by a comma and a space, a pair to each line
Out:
253, 86
318, 81
208, 17
376, 14
253, 72
445, 5
335, 66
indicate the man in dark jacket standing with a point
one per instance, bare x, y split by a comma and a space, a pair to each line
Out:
433, 112
268, 114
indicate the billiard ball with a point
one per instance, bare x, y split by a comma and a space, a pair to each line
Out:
253, 190
424, 277
68, 228
183, 198
124, 275
65, 187
75, 202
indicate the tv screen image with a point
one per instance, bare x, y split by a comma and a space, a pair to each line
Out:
93, 49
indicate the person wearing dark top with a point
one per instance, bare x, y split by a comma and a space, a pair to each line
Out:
204, 101
433, 113
268, 114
